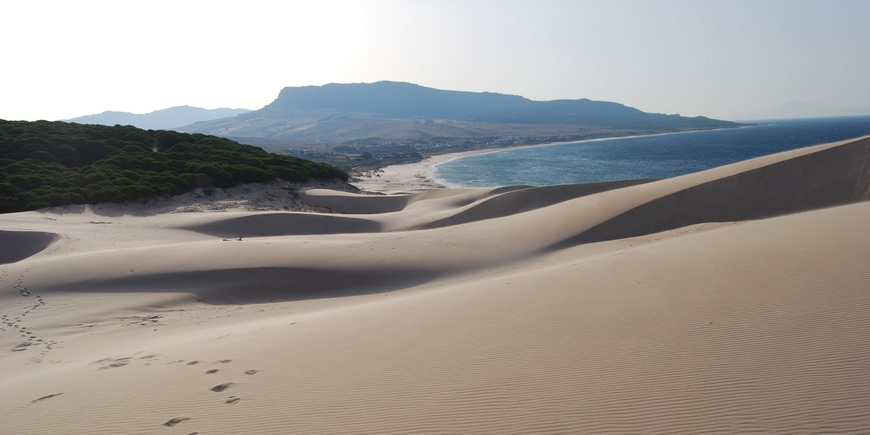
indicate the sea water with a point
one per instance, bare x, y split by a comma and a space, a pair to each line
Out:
657, 156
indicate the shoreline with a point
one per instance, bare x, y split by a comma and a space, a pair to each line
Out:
417, 177
408, 177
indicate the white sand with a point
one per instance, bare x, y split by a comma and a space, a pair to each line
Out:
406, 178
732, 300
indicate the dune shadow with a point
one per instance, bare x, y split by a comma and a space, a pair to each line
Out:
265, 284
18, 245
285, 224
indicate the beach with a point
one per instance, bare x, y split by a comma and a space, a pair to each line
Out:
731, 300
409, 177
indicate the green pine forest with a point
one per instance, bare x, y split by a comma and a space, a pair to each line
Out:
46, 164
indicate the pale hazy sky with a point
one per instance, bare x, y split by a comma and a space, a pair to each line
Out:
731, 59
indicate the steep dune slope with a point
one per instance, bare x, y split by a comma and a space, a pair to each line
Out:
827, 177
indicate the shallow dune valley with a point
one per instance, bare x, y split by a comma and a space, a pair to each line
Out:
733, 300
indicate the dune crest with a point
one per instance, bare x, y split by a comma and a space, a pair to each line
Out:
828, 177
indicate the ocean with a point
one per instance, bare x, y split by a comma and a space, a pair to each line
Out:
657, 156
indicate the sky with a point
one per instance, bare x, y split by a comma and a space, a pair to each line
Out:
728, 59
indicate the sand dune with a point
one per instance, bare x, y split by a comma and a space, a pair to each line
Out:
523, 200
732, 300
826, 177
344, 202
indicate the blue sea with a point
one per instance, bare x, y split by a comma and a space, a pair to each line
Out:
658, 156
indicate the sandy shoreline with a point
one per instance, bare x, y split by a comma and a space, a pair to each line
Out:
417, 176
732, 300
406, 178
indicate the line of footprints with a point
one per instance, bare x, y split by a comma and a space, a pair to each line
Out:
108, 363
113, 363
220, 388
7, 322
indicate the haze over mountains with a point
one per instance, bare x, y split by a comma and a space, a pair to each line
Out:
395, 111
166, 119
808, 109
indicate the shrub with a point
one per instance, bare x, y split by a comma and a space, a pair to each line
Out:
54, 163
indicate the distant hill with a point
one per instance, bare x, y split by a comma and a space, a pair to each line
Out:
166, 119
394, 111
805, 109
46, 164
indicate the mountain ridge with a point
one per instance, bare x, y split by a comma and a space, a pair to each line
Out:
163, 119
397, 111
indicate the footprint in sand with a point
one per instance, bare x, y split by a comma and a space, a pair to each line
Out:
250, 372
211, 372
22, 346
222, 387
118, 362
232, 400
45, 397
175, 421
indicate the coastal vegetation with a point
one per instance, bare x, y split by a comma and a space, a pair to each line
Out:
45, 164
